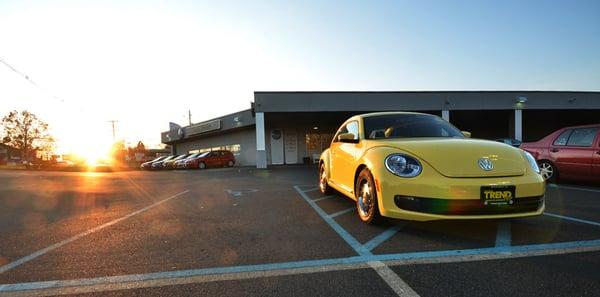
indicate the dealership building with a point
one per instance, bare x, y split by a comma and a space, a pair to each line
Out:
295, 127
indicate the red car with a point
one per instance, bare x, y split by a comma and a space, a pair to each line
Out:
211, 159
571, 153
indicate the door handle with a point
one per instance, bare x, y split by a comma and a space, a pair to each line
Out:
554, 150
598, 153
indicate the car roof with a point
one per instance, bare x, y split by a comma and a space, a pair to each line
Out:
582, 126
382, 113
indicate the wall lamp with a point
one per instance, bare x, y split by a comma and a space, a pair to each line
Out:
521, 99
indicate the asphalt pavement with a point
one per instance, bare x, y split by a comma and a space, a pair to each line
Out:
248, 232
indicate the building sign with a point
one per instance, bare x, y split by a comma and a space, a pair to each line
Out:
204, 127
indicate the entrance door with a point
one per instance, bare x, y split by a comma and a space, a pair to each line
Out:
276, 147
291, 147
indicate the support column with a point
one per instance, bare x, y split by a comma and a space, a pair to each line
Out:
261, 153
446, 115
519, 124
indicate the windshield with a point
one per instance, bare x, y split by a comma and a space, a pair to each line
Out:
181, 157
408, 125
158, 159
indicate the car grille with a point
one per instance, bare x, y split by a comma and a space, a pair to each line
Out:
466, 207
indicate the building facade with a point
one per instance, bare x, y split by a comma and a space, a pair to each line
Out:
295, 127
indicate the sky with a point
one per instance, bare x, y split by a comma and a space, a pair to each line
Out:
146, 63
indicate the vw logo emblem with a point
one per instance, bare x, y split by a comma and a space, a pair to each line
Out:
485, 164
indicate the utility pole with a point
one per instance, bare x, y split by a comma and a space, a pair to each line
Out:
113, 128
190, 116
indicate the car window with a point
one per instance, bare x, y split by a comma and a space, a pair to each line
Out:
408, 125
582, 137
351, 127
562, 138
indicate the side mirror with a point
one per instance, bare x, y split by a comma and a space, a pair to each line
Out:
347, 137
467, 134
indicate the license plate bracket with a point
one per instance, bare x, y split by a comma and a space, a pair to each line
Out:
497, 195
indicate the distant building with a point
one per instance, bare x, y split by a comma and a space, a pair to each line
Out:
9, 154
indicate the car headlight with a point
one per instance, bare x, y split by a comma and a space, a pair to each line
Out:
403, 165
532, 162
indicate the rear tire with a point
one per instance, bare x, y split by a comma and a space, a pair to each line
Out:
202, 165
366, 198
548, 171
323, 185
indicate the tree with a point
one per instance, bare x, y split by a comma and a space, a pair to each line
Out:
27, 133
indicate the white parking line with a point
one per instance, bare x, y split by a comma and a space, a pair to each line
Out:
310, 190
392, 279
323, 198
180, 277
503, 234
388, 275
379, 239
572, 219
341, 212
574, 188
41, 252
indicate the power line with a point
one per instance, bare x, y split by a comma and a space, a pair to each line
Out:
27, 78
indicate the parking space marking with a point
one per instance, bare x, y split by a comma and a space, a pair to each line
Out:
323, 198
334, 225
388, 275
573, 188
572, 219
43, 251
341, 212
157, 279
310, 190
392, 279
381, 238
503, 234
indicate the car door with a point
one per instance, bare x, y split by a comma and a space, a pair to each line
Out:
344, 158
212, 159
574, 158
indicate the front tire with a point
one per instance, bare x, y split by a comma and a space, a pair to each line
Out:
366, 198
323, 185
230, 163
202, 165
548, 171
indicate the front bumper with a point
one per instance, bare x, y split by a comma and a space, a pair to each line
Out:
431, 197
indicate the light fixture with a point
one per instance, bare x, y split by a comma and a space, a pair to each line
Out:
315, 128
521, 99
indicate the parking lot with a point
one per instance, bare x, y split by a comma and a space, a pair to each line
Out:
242, 231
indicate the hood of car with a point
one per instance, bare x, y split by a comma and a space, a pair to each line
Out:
456, 157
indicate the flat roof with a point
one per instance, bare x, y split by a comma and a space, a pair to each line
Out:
328, 101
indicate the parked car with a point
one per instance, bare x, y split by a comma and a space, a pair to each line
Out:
571, 153
148, 165
510, 141
212, 159
169, 164
180, 164
159, 164
415, 166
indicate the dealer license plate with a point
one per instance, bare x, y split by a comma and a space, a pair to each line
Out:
498, 195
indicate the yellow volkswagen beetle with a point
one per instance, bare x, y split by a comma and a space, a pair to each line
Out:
419, 167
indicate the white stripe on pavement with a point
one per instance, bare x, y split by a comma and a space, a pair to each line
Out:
574, 188
158, 279
43, 251
503, 234
572, 219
